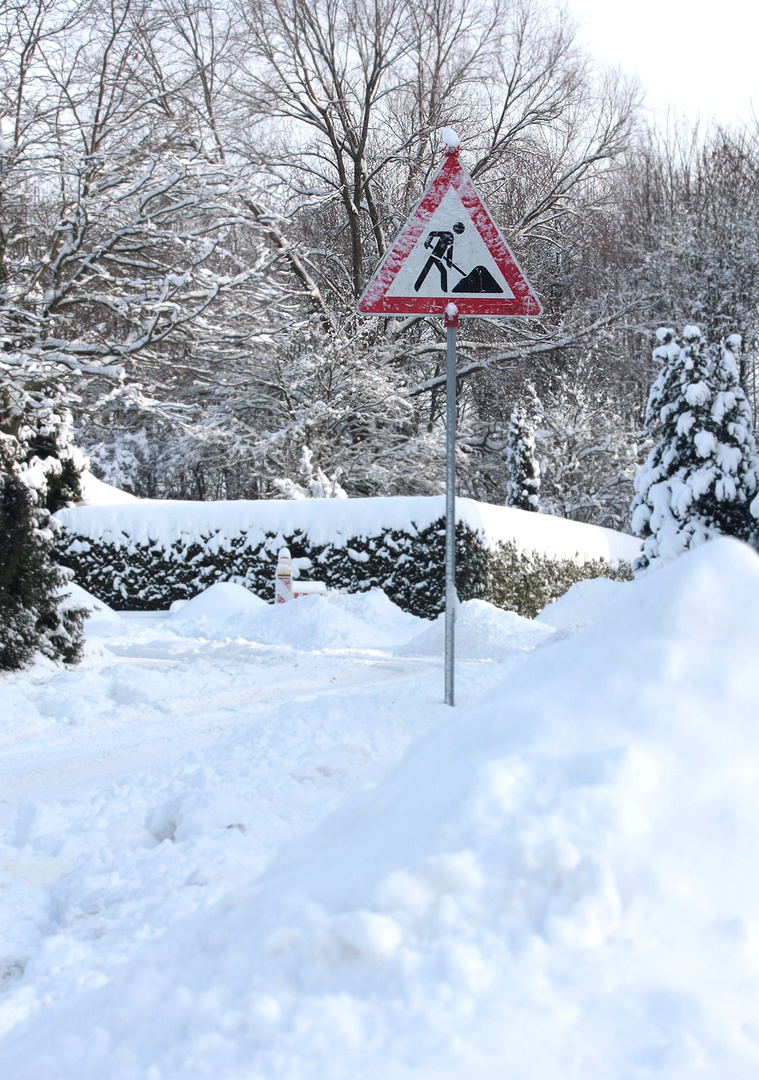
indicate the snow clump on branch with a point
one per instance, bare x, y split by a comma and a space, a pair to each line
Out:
316, 484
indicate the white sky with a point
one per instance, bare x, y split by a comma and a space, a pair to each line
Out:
695, 58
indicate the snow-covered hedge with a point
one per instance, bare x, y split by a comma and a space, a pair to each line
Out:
144, 555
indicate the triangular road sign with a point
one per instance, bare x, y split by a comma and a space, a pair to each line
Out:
449, 250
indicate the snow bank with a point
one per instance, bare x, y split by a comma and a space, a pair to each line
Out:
582, 604
557, 882
335, 521
218, 607
366, 620
75, 596
357, 621
97, 493
483, 632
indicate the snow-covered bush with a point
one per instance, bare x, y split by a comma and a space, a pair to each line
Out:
145, 557
33, 614
133, 461
527, 581
701, 477
523, 485
145, 574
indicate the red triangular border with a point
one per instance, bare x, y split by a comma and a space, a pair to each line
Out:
375, 300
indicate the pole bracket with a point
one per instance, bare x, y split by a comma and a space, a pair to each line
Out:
451, 315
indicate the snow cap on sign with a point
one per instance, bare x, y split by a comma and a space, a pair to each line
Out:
451, 140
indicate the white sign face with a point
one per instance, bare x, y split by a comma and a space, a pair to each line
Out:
450, 258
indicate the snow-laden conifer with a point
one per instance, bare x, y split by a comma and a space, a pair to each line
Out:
34, 616
48, 461
700, 477
523, 469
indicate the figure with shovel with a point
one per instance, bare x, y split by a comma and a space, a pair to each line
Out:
441, 255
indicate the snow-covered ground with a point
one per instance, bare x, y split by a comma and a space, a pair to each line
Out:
251, 843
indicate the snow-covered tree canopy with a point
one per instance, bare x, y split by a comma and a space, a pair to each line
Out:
193, 193
34, 615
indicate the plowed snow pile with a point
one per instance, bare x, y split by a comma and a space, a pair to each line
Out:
361, 620
556, 880
482, 632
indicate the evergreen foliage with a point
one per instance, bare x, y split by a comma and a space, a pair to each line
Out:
43, 453
49, 448
701, 477
523, 469
526, 581
33, 613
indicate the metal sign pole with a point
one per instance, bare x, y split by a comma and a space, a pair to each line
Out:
412, 279
451, 323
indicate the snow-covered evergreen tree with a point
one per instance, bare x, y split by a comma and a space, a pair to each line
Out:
34, 615
52, 465
523, 485
701, 477
44, 456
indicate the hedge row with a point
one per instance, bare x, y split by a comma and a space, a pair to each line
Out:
408, 565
